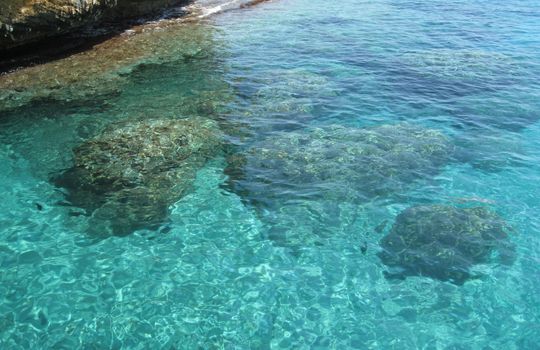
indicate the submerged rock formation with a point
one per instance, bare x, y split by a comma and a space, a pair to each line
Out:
103, 71
290, 91
26, 21
129, 175
444, 242
455, 64
303, 183
447, 74
338, 163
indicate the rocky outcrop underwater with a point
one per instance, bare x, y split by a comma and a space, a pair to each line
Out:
127, 177
339, 163
27, 21
445, 242
104, 70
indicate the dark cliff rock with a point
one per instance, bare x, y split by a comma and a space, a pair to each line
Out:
27, 21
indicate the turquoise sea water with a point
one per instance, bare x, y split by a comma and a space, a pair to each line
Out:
281, 252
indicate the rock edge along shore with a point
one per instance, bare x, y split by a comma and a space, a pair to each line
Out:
28, 21
34, 31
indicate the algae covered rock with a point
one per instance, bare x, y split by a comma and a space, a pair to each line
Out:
108, 68
444, 242
339, 163
290, 91
130, 174
455, 64
450, 75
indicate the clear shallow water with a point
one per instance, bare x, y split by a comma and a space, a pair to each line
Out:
233, 269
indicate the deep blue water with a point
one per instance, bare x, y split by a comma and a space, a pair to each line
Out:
280, 249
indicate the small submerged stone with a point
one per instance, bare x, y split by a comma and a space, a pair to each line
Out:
129, 175
444, 242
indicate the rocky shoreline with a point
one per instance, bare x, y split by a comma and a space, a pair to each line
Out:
23, 22
34, 32
37, 31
